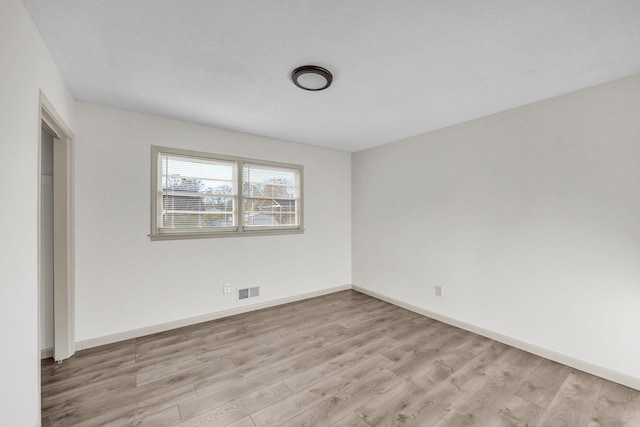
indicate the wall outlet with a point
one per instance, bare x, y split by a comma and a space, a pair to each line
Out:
226, 289
438, 290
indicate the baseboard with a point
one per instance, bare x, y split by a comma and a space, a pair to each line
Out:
46, 353
582, 365
135, 333
590, 368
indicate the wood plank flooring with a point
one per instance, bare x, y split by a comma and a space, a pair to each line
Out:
343, 359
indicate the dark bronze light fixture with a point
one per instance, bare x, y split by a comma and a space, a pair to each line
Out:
311, 77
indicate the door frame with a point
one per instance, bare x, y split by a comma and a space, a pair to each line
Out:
63, 225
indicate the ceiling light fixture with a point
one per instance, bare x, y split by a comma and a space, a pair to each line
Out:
311, 77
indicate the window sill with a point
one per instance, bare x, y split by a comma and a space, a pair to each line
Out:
245, 233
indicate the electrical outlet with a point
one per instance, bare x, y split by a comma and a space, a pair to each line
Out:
438, 290
226, 289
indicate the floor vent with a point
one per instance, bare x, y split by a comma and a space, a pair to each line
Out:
247, 293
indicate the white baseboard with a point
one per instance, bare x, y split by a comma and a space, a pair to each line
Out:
135, 333
581, 365
46, 353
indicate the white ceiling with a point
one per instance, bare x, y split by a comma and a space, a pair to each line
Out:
400, 68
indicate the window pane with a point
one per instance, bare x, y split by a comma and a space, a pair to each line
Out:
176, 203
265, 181
198, 175
202, 186
271, 196
198, 168
270, 212
197, 193
201, 221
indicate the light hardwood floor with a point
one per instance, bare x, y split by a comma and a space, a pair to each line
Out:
343, 359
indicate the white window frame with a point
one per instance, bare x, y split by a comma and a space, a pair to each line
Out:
240, 229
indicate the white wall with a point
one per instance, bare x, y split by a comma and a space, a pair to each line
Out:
26, 68
529, 219
124, 281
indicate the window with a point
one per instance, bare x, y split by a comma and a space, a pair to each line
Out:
198, 195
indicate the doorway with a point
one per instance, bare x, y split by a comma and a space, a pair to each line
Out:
46, 242
56, 263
